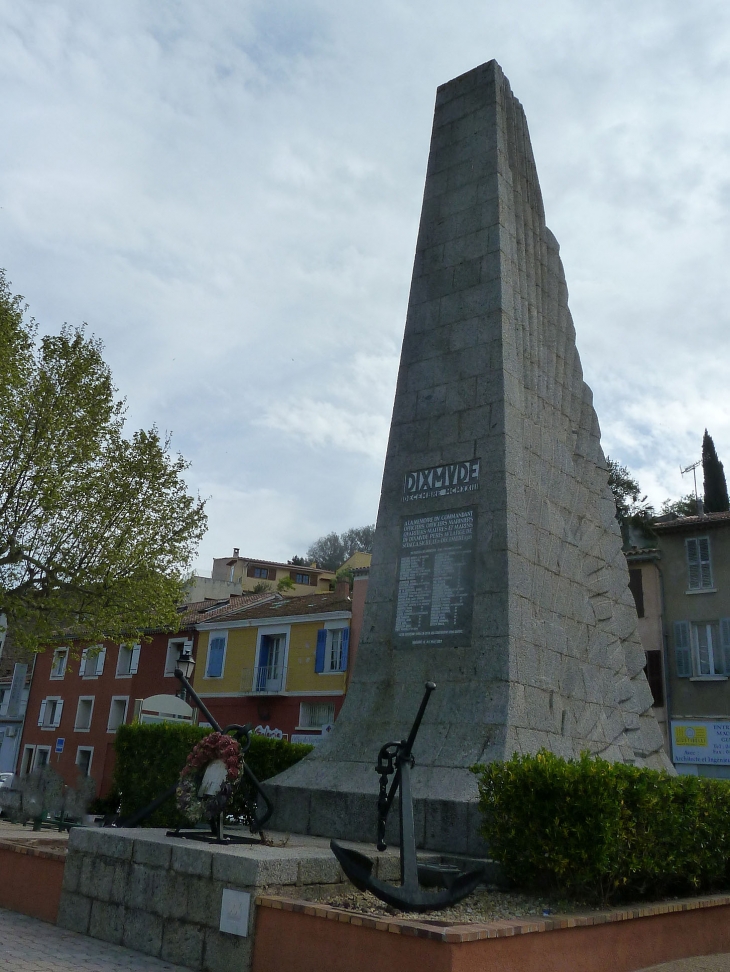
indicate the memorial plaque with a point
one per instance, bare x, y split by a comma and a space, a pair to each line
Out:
436, 579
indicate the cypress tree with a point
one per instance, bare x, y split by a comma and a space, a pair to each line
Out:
716, 498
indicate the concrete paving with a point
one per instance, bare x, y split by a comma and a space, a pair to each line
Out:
706, 963
30, 945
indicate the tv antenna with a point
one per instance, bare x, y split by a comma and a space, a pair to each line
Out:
693, 470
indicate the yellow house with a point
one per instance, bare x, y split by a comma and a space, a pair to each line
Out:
359, 559
281, 665
261, 575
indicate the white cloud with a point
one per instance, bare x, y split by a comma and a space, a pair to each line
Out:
229, 194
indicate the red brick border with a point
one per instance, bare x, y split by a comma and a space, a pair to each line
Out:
32, 879
290, 934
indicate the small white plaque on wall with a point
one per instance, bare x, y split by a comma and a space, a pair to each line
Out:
235, 910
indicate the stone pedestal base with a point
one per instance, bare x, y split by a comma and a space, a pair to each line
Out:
163, 895
446, 817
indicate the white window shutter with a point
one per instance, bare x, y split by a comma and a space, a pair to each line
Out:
82, 663
705, 567
42, 713
57, 717
725, 642
682, 649
100, 662
134, 663
693, 564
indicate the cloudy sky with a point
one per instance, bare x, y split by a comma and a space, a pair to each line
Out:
228, 192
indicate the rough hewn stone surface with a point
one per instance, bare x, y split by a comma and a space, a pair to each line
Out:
162, 895
489, 370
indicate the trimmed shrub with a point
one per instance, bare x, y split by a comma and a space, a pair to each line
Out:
598, 831
150, 758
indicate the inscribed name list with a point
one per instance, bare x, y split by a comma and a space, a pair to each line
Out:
436, 579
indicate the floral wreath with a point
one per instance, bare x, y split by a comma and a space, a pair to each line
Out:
213, 747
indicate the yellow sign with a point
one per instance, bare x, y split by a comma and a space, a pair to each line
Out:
690, 735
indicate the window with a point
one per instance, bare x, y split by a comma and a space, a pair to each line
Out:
216, 655
173, 653
262, 573
653, 672
270, 673
128, 660
636, 586
699, 567
27, 762
301, 579
58, 666
92, 662
42, 757
117, 713
332, 649
702, 649
314, 715
84, 712
84, 755
49, 716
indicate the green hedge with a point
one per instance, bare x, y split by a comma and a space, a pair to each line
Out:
600, 831
149, 759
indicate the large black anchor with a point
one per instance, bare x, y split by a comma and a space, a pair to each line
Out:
396, 758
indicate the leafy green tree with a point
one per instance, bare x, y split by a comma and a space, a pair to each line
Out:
96, 529
332, 550
630, 503
685, 506
716, 498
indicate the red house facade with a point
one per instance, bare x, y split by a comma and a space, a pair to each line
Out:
80, 696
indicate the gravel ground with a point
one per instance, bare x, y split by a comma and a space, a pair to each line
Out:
487, 905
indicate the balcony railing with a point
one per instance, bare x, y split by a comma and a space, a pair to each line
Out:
265, 680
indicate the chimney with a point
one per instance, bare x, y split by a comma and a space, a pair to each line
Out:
342, 588
235, 551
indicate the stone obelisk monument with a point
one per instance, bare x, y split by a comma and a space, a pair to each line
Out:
497, 569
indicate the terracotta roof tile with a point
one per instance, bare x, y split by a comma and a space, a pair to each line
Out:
286, 607
691, 522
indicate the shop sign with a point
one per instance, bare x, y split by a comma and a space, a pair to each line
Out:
700, 741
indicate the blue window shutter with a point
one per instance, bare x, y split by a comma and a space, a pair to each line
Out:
682, 649
321, 647
263, 663
215, 658
345, 648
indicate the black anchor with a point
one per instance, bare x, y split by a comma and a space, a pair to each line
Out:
396, 758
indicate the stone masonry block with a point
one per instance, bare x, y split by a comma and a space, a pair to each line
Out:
152, 853
172, 891
102, 879
74, 911
318, 870
204, 899
72, 872
183, 944
226, 953
143, 887
249, 872
107, 922
192, 860
143, 932
101, 841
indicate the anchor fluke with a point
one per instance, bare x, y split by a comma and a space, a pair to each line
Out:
396, 759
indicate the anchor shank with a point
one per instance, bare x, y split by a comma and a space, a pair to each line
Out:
408, 862
407, 746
